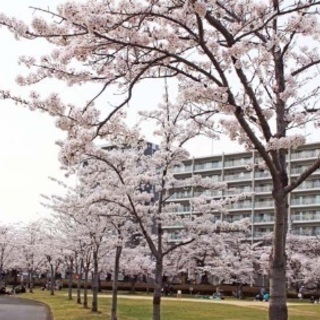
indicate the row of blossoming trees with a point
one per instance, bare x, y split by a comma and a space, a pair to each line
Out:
246, 68
122, 194
84, 247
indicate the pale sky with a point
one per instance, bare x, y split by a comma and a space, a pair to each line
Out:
27, 139
28, 153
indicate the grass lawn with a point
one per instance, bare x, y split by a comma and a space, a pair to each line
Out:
141, 309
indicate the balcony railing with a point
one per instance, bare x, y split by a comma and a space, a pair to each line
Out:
298, 170
238, 190
178, 209
208, 193
263, 189
312, 184
262, 174
207, 166
182, 169
184, 195
263, 204
238, 176
264, 219
241, 205
238, 162
306, 217
305, 154
236, 218
311, 232
305, 201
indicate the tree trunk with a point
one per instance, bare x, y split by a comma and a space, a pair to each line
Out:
79, 269
52, 280
133, 284
85, 288
157, 291
147, 285
95, 282
30, 276
70, 280
99, 283
79, 288
15, 277
278, 290
113, 315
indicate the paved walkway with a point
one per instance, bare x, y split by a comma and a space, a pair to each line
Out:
248, 302
15, 308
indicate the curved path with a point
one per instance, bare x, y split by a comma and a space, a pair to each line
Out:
244, 303
14, 308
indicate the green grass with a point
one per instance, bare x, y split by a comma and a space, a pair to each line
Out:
134, 309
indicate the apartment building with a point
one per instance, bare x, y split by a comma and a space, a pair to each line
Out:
304, 209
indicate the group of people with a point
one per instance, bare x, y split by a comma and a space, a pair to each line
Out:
262, 296
167, 290
302, 291
57, 286
15, 290
314, 299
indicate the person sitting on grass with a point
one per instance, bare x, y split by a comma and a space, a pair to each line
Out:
258, 297
266, 297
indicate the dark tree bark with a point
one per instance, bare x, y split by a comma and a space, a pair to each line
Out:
30, 280
79, 269
70, 284
95, 285
157, 290
115, 284
52, 280
85, 288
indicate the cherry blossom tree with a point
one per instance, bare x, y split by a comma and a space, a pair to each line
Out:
124, 177
222, 255
9, 248
251, 65
30, 241
303, 261
52, 250
89, 234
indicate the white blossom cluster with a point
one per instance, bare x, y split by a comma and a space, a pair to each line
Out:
291, 142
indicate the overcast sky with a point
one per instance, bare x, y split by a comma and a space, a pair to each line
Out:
27, 139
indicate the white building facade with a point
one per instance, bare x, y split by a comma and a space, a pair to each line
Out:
304, 202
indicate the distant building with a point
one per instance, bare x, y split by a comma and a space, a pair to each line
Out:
304, 201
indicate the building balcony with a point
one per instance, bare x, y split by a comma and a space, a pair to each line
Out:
179, 210
306, 202
264, 189
208, 193
308, 185
237, 163
262, 175
182, 169
310, 233
180, 196
306, 218
263, 220
235, 218
306, 154
237, 191
263, 204
299, 170
238, 177
247, 205
208, 166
